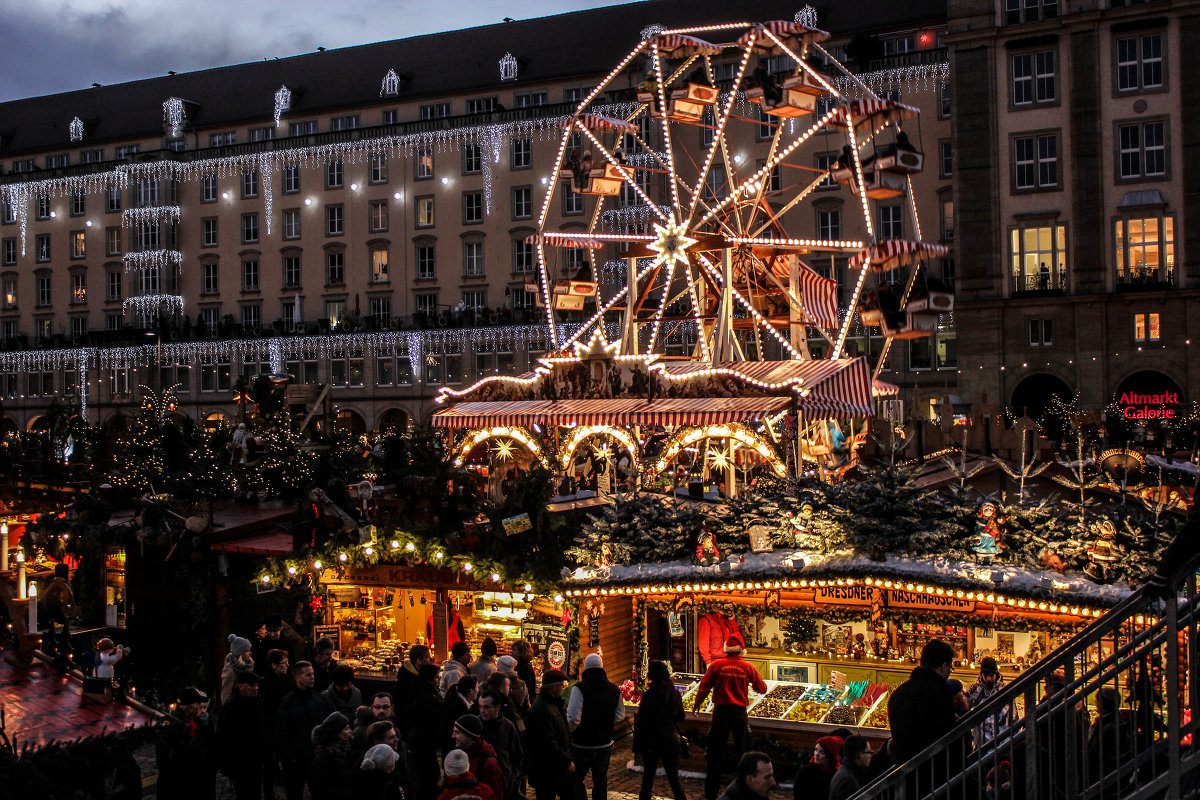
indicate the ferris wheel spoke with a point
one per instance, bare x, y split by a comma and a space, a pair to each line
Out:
746, 304
719, 133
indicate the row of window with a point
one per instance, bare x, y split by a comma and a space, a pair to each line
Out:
1141, 154
1144, 247
1139, 67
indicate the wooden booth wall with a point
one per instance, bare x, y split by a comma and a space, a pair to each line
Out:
616, 634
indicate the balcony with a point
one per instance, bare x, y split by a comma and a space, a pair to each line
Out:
1048, 283
1146, 279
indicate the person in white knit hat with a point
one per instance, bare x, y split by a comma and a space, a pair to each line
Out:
460, 781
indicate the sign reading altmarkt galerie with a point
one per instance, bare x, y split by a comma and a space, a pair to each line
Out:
1159, 405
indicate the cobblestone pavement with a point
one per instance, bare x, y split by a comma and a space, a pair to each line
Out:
623, 783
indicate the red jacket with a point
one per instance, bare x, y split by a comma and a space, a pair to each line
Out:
728, 679
711, 632
460, 785
485, 766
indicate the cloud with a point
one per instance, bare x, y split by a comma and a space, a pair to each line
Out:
55, 47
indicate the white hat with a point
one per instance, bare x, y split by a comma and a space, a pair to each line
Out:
593, 661
381, 756
457, 763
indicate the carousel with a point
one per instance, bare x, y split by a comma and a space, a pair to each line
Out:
691, 362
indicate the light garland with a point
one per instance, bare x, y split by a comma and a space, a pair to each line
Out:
153, 304
174, 117
807, 17
918, 77
476, 437
508, 67
283, 103
136, 217
152, 259
75, 130
580, 433
687, 437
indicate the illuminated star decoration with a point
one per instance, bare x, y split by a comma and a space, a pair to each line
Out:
598, 347
718, 459
671, 243
503, 451
601, 452
317, 602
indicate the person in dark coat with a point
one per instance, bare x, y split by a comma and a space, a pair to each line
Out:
275, 683
342, 695
375, 777
502, 735
299, 712
522, 651
549, 739
851, 775
186, 750
593, 711
516, 693
330, 777
815, 775
656, 731
323, 663
501, 684
459, 700
1109, 742
921, 711
243, 743
755, 778
59, 603
406, 679
424, 733
485, 764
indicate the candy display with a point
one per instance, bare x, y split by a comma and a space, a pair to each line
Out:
802, 702
878, 718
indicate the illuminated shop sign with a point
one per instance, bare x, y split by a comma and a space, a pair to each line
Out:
1164, 405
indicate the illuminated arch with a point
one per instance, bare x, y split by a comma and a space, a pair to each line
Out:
583, 432
478, 436
738, 433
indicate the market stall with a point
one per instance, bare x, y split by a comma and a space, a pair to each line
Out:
374, 613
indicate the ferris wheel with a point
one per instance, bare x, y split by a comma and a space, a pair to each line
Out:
694, 184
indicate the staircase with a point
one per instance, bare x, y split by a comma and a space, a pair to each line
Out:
1136, 664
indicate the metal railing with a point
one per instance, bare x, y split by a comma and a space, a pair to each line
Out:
1106, 715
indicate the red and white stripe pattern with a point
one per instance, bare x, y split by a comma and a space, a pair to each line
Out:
783, 29
892, 253
635, 411
601, 122
844, 394
856, 110
674, 45
884, 389
819, 298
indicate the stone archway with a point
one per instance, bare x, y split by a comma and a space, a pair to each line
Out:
394, 419
350, 420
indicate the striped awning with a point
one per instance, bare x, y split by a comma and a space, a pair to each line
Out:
892, 253
677, 45
818, 296
858, 110
883, 388
668, 412
833, 389
601, 122
784, 29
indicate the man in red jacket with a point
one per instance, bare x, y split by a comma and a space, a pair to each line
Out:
728, 679
711, 632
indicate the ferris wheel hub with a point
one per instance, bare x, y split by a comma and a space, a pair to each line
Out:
671, 242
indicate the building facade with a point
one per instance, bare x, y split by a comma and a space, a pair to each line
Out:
360, 218
1077, 183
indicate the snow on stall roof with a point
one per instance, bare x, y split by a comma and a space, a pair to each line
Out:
798, 563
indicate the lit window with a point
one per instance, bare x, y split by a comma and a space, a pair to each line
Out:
1038, 256
1145, 250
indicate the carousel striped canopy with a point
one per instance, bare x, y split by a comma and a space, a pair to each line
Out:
892, 253
601, 122
676, 45
783, 29
872, 106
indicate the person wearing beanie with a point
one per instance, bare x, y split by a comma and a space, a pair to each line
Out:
243, 744
186, 750
424, 733
240, 659
459, 700
729, 680
593, 711
455, 667
518, 692
548, 739
375, 777
300, 711
484, 763
342, 695
814, 776
990, 682
485, 665
461, 782
331, 769
856, 759
959, 694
